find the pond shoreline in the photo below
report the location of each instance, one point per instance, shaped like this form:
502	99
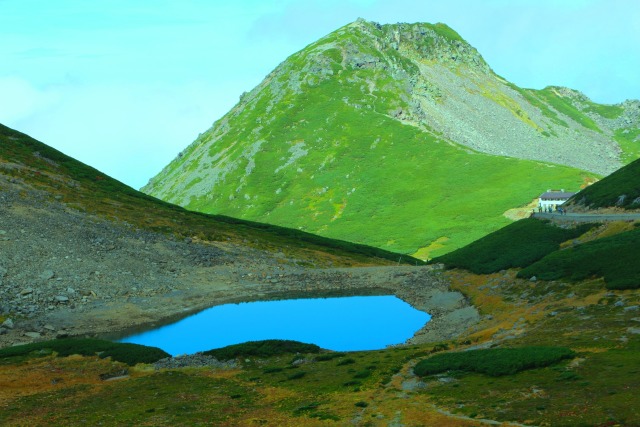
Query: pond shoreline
424	288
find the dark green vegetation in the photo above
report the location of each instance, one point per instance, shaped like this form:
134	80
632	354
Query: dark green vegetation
615	258
88	189
130	354
266	348
611	252
534	246
340	141
517	245
494	362
620	189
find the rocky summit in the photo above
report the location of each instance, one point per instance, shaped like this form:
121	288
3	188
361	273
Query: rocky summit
375	129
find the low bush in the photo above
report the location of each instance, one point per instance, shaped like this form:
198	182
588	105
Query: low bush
266	348
493	362
516	245
328	356
121	352
614	258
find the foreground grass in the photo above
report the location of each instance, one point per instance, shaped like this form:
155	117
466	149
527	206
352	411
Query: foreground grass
596	387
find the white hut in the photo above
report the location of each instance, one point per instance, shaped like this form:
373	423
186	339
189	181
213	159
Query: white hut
554	198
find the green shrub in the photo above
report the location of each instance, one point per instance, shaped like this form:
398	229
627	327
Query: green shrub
297	375
493	362
121	352
347	361
614	258
516	245
328	356
266	348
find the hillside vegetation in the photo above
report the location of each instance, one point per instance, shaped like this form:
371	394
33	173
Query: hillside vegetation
621	189
516	245
29	162
378	129
549	251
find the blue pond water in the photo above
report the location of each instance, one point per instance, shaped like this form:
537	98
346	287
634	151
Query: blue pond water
341	324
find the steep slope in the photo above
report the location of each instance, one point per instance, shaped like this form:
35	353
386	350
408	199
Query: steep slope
398	136
621	189
37	171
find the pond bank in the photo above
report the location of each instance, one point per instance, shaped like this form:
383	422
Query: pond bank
425	288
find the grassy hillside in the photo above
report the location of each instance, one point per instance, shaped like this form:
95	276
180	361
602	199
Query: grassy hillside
515	246
614	258
610	252
620	189
82	187
396	136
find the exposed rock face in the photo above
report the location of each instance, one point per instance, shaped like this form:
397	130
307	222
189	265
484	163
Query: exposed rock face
355	102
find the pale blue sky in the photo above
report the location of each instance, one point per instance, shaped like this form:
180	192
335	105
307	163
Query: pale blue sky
124	85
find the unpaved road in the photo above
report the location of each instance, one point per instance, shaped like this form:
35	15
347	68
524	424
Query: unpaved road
583	217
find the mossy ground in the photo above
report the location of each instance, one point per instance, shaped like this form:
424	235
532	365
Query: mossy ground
597	387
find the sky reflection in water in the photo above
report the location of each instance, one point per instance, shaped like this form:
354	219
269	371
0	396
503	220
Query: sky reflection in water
341	324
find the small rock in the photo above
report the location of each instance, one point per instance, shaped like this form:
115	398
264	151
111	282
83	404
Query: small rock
533	279
631	308
61	299
619	304
8	324
71	291
32	334
49	327
26	291
47	275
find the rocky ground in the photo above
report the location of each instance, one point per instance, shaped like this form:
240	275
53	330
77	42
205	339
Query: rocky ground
65	273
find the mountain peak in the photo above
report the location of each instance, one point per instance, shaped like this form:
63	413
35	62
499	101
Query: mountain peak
377	129
422	42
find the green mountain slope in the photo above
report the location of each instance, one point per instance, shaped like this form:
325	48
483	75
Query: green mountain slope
397	136
27	164
551	252
620	189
